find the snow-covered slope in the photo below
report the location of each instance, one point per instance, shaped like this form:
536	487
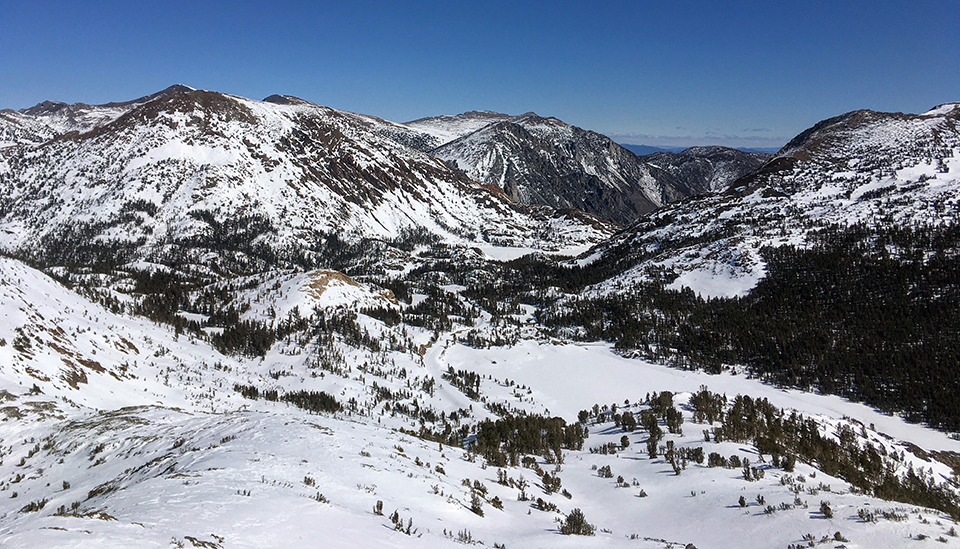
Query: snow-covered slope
447	128
158	449
81	355
195	172
50	118
17	128
538	160
863	167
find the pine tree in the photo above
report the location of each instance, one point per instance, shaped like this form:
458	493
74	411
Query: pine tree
476	505
576	524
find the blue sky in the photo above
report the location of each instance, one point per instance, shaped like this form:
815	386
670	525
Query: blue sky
658	73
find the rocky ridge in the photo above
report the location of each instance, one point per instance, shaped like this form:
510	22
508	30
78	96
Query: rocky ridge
537	160
191	173
862	167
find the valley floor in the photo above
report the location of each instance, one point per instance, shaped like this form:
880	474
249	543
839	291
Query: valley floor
277	476
156	448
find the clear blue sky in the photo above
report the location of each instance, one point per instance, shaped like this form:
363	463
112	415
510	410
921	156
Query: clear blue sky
670	72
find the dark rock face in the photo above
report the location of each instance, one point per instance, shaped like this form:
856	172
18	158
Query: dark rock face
538	160
708	168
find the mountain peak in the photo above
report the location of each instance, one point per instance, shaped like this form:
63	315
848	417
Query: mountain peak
880	136
53	107
538	160
944	109
481	114
285	100
53	118
170	90
46	107
477	117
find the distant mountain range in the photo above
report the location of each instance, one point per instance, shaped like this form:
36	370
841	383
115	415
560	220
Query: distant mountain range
643	150
527	159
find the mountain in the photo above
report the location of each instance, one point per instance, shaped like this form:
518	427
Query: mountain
447	128
643	150
761	150
707	168
192	173
62	118
18	128
860	167
538	160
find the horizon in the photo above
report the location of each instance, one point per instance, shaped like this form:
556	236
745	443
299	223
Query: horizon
687	74
626	144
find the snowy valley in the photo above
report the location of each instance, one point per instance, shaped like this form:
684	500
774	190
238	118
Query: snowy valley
235	323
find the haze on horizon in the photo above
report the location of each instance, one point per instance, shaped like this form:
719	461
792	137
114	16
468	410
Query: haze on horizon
683	74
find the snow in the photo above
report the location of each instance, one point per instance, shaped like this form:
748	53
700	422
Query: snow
178	150
503	253
141	428
555	368
245	164
277	297
941	110
223	470
449	128
711	284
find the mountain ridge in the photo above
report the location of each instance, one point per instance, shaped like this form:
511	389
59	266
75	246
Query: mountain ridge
543	160
202	157
862	166
569	169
